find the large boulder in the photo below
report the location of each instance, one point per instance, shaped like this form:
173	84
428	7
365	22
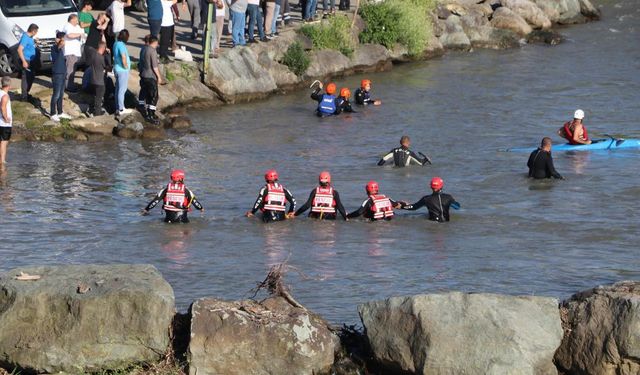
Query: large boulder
251	338
458	333
84	318
98	125
568	11
602	328
530	12
326	63
482	35
453	36
370	57
505	18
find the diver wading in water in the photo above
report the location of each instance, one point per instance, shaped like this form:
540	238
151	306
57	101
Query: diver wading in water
272	200
437	204
176	198
376	206
324	200
403	157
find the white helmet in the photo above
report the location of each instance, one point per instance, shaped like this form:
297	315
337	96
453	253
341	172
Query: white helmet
578	114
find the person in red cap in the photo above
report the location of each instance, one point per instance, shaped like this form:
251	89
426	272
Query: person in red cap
177	200
363	94
327	101
437	203
272	200
324	201
376	206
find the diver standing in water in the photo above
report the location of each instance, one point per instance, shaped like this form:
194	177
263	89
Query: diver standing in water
324	200
272	200
376	206
177	200
437	204
327	101
403	157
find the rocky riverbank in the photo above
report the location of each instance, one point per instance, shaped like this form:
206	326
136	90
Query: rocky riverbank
257	71
79	319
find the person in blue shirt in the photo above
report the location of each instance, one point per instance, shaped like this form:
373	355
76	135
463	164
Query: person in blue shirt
58	78
27	54
121	66
154	16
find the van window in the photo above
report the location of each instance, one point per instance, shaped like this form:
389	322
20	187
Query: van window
28	8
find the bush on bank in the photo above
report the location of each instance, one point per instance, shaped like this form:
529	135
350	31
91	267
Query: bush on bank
334	34
407	22
296	59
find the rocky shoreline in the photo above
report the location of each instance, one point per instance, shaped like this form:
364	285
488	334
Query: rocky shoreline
122	318
256	72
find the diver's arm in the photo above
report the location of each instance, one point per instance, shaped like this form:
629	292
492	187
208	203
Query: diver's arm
361	210
291	199
386	158
307	204
192	200
317	95
259	201
339	205
159	197
419	204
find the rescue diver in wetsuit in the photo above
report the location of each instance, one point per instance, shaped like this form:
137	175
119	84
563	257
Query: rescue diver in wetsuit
324	200
272	200
342	103
541	163
403	157
376	206
327	102
177	200
363	94
437	204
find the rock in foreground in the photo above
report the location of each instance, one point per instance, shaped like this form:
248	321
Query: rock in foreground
84	318
602	331
458	333
250	338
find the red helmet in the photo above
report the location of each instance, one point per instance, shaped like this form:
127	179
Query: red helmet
372	187
345	92
271	175
437	183
365	82
177	175
325	177
331	88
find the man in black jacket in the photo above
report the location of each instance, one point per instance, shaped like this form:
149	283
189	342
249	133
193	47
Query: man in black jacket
541	163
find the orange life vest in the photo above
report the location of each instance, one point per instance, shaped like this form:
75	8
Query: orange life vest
568	133
323	202
275	199
176	197
381	207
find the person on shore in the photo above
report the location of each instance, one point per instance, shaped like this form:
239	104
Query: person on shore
574	131
438	203
328	8
220	9
155	14
342	103
73	34
85	17
254	12
269	16
376	206
177	200
142	105
6	118
272	200
237	10
166	29
116	12
326	101
98	67
324	200
194	10
541	163
344	5
58	78
403	157
309	12
96	33
276	15
27	54
363	94
121	66
150	78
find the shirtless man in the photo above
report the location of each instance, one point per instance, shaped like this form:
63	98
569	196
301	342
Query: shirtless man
574	131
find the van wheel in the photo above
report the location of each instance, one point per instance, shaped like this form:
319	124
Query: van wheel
7	67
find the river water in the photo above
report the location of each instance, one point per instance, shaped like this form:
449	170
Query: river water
79	202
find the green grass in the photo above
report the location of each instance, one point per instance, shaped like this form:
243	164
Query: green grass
296	59
334	34
170	76
407	22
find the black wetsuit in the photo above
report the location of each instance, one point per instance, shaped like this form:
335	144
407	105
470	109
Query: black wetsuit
343	105
541	165
438	205
363	97
179	216
403	157
317	96
324	216
270	215
366	211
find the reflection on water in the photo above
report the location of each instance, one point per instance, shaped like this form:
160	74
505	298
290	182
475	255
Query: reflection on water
80	202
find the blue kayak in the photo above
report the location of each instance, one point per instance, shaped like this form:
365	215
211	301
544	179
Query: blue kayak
597	144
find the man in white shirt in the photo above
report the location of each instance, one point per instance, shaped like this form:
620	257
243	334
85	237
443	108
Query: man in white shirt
73	34
116	12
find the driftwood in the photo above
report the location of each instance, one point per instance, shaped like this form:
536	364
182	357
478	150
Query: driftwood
275	286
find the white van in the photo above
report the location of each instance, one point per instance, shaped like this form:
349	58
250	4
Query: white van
15	18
